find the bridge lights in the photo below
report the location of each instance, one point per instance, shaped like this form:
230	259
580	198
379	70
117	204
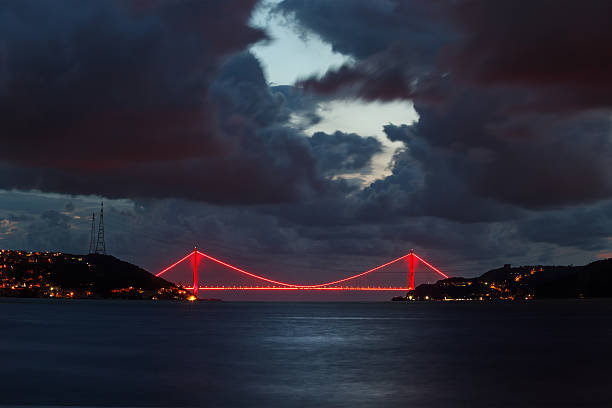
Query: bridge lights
333	285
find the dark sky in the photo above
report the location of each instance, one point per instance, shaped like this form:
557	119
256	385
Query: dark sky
162	109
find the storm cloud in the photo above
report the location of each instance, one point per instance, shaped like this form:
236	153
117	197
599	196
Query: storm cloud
505	113
154	99
162	103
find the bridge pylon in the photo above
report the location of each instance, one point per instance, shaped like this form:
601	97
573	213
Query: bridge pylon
196	283
411	270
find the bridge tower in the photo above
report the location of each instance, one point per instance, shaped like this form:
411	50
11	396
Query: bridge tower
411	270
196	284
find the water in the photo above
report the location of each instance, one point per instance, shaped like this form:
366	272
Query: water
130	353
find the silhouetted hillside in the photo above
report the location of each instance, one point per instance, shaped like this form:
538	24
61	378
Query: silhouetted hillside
105	272
55	274
592	280
525	282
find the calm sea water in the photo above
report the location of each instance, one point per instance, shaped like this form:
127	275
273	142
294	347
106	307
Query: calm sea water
131	353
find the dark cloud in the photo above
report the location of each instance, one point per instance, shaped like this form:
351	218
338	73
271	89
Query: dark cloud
19	217
477	42
504	106
388	24
53	230
402	133
300	107
428	180
340	153
557	47
94	74
585	227
394	44
560	161
132	99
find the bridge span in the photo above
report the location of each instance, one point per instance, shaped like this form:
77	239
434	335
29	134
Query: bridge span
196	257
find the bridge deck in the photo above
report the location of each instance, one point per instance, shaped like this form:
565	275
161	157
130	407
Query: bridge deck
300	288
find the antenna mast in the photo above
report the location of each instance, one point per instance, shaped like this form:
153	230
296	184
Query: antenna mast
92	234
100	244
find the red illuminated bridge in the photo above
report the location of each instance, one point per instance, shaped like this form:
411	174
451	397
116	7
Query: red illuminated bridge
244	280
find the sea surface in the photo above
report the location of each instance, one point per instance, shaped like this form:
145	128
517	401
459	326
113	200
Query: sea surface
233	354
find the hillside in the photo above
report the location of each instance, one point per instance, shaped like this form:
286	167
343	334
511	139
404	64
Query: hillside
55	274
525	282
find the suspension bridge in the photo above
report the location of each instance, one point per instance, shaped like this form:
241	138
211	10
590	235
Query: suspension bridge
195	258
